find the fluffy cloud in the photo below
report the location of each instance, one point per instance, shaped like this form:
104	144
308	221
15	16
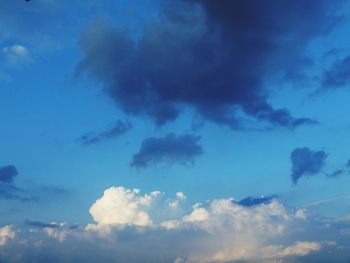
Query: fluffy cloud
306	162
120	206
135	227
118	129
168	149
6	233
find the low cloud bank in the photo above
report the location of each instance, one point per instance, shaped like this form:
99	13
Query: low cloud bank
134	227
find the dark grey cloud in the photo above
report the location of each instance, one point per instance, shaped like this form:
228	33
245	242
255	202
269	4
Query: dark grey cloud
306	162
8	173
253	201
168	149
213	56
118	129
338	75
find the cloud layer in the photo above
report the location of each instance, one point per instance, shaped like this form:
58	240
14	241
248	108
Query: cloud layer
135	227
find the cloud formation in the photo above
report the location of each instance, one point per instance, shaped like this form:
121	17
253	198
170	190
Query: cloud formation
120	206
215	57
6	233
118	129
9	190
338	76
15	55
306	162
8	173
252	201
130	226
169	149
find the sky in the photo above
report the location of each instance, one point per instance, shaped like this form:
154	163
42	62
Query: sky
189	131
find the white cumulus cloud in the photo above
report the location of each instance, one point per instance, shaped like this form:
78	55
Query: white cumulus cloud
134	227
6	233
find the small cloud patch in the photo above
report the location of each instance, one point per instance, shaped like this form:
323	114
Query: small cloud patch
168	149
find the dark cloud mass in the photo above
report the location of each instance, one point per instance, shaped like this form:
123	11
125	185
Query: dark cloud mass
214	56
306	162
168	149
8	173
338	75
118	129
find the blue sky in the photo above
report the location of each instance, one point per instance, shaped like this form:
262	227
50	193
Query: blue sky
217	100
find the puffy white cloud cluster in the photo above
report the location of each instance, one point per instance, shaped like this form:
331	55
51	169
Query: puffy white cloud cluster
135	227
124	206
6	233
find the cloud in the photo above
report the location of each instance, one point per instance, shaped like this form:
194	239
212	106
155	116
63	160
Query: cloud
120	206
12	192
338	75
214	57
306	162
298	249
221	230
9	190
8	173
252	201
118	129
327	201
41	224
15	55
336	173
181	149
6	233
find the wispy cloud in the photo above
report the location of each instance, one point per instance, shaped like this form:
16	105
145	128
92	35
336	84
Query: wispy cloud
119	128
